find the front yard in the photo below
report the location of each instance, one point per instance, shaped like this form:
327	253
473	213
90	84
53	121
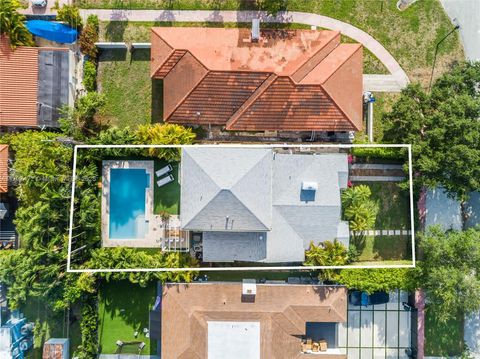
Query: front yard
123	310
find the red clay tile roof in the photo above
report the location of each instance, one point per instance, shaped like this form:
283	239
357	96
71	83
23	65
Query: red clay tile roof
298	80
281	310
18	85
3	168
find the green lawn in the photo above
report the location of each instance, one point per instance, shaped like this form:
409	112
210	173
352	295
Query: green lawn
123	309
49	324
443	339
410	35
380	248
167	197
125	81
394	205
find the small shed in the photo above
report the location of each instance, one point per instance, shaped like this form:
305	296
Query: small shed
56	348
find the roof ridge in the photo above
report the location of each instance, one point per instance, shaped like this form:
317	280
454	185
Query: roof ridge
334	103
359	46
253	97
166	61
189	92
271	183
338	34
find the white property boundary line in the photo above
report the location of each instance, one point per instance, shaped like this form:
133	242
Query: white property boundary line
264	268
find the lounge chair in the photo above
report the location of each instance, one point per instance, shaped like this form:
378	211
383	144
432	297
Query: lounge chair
165	180
164	170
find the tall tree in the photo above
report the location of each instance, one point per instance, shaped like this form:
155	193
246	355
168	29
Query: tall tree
443	128
450	271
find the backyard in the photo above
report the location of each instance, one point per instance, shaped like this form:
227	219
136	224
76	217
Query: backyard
443	339
123	310
167	197
49	324
385	248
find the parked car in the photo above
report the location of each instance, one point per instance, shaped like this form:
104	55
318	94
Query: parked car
359	298
39	3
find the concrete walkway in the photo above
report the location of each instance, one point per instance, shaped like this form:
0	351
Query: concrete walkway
467	13
397	79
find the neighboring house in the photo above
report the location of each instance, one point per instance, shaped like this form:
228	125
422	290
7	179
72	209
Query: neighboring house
262	204
250	321
34	84
287	80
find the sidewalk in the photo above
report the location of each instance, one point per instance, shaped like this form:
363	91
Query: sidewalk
397	79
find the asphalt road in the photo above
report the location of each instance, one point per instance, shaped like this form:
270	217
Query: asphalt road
467	13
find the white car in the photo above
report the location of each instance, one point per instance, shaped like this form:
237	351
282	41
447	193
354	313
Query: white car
39	3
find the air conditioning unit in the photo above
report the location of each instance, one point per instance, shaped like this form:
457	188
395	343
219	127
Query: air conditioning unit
249	287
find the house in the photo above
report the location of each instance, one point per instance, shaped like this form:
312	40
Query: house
287	80
34	84
250	321
262	204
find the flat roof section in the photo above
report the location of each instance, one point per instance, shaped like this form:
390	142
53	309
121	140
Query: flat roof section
233	340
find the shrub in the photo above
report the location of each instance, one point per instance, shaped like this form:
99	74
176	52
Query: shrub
327	253
89	76
381	279
387	153
12	24
358	208
92	20
166	134
87	40
71	15
88	328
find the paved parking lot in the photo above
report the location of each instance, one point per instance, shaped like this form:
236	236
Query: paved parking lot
377	332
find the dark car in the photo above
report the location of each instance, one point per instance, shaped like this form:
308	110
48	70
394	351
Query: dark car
360	298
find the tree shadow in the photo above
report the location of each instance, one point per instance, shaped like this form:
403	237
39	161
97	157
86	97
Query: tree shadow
111	55
157	101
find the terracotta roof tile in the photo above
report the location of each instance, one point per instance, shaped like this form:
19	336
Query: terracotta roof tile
241	89
281	310
3	168
289	107
217	97
18	85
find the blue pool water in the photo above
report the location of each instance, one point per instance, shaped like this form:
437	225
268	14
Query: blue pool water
127	203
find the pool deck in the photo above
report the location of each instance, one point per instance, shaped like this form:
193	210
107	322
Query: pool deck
167	236
149	241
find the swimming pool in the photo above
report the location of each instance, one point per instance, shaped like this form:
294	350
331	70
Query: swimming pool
127	203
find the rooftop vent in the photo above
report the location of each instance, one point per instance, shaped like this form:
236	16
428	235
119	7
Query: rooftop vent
309	186
255	30
249	290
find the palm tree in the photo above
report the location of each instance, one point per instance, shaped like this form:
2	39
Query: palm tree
358	208
11	24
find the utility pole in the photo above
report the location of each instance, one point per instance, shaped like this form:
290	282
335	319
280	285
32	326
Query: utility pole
457	26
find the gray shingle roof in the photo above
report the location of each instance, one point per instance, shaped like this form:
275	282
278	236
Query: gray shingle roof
226	189
229	247
260	190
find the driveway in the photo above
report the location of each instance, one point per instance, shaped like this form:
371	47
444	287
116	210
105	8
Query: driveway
377	332
467	13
